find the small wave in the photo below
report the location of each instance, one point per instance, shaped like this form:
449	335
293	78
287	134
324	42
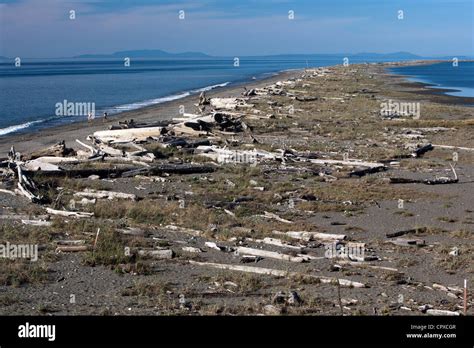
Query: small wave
145	103
142	104
16	128
208	88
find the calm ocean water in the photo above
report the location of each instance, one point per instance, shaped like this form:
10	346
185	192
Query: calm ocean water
443	75
29	94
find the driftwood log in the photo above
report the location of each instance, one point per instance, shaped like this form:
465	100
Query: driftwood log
269	254
278	273
69	213
28	187
422	150
303	235
435	181
127	135
171	169
57	150
89	193
365	171
72	248
401	233
126	171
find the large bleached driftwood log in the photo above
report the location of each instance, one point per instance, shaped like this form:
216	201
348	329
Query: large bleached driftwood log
46	163
269	254
111	154
441	312
37	164
69	213
92	150
224	155
127	124
89	193
449	147
367	265
108	150
349	163
55	160
278	242
278	273
312	235
229	103
57	150
187	130
128	135
362	167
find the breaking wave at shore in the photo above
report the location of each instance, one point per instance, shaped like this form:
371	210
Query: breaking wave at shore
18	127
113	110
145	103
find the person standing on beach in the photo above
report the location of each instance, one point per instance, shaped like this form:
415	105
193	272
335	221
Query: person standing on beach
90	116
105	116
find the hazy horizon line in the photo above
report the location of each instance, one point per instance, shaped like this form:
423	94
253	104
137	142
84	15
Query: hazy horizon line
108	55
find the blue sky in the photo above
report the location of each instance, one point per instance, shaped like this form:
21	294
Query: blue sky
42	28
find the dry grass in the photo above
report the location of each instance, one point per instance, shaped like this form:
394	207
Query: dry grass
19	272
110	250
148	289
145	211
246	283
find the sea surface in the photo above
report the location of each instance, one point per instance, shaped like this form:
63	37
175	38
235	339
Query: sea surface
29	94
459	79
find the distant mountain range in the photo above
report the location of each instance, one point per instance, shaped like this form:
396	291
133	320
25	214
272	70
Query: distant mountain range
146	54
395	55
164	54
160	54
